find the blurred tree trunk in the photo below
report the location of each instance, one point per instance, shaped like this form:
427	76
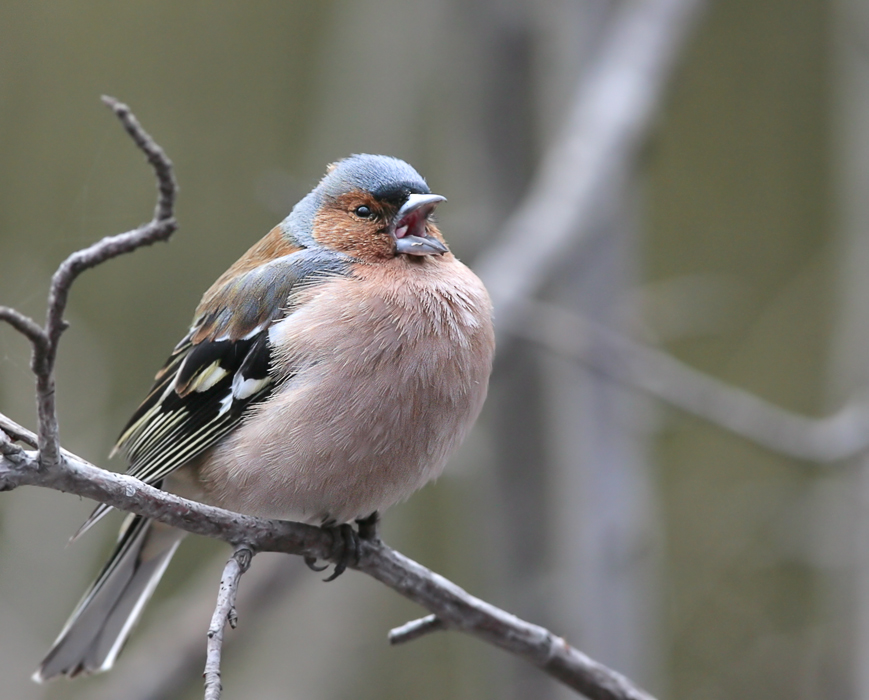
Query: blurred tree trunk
574	483
602	511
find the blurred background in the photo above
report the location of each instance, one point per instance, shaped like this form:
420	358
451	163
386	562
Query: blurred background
715	268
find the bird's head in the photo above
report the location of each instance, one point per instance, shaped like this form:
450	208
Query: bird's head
372	208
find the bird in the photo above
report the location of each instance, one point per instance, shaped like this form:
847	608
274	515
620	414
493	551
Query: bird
327	375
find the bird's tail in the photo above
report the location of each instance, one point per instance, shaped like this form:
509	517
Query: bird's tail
101	623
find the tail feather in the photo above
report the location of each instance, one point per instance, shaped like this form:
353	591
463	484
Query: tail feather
101	623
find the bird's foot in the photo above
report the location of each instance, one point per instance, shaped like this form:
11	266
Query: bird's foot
345	547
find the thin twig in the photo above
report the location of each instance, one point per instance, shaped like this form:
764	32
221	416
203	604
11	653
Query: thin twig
23	324
159	228
166	185
174	643
458	609
463	612
415	629
17	432
612	112
224	612
840	436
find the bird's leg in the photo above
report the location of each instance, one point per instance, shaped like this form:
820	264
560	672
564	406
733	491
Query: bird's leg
346	543
368	527
311	562
346	548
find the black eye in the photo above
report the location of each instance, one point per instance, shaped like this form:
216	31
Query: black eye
362	212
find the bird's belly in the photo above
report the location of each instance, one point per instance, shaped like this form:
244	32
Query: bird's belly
338	446
385	373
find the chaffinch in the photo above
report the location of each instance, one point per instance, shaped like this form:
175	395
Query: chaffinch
328	374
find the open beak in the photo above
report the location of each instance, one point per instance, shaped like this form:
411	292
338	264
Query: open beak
409	232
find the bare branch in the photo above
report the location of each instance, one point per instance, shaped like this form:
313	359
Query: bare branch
415	629
159	228
612	112
23	324
844	434
463	612
455	607
75	475
174	643
224	612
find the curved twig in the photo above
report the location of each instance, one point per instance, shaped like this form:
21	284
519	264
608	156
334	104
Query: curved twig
159	228
224	612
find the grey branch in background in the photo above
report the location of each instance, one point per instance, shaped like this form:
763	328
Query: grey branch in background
586	165
842	435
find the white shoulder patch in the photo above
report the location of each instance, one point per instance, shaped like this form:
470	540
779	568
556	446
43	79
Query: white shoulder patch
245	388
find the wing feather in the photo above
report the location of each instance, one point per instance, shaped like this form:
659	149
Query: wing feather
221	368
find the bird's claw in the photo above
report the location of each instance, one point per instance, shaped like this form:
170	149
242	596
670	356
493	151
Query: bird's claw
346	544
311	563
345	548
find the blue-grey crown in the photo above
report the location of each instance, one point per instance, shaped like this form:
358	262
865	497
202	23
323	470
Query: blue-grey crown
385	177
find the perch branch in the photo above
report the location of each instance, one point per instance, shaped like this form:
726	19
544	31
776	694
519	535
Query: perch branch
455	607
224	612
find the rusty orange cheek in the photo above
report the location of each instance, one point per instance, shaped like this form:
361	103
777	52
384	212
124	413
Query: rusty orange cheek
338	229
